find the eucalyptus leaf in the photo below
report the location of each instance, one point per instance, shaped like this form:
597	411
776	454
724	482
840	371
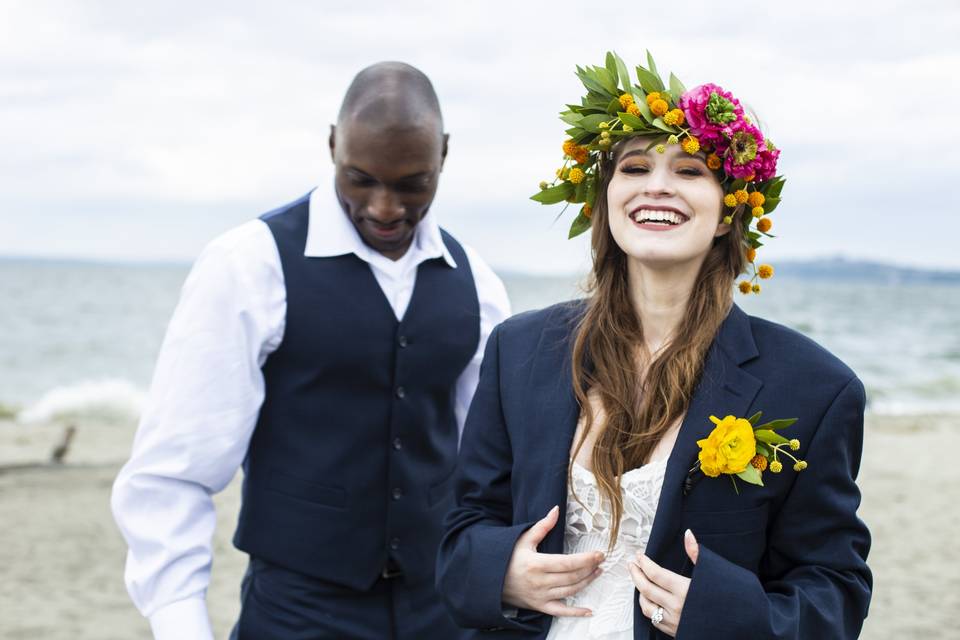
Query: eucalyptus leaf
770	437
770	204
607	80
622	72
652	65
580	192
592	122
590	81
752	475
632	120
660	124
774	425
776	187
570	117
555	194
764	450
649	81
755	417
676	87
580	224
614	107
611	64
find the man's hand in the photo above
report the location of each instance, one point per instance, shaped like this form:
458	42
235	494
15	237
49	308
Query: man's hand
541	581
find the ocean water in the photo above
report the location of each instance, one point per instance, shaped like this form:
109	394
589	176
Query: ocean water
79	340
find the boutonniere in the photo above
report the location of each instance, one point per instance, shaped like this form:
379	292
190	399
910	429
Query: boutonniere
741	448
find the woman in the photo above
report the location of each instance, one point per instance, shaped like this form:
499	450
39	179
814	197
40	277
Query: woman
594	435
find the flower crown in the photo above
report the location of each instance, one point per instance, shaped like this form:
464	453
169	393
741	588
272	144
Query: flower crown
706	118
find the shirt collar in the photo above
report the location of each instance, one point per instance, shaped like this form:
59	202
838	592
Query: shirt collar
330	233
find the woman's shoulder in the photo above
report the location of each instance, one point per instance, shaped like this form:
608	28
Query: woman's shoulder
563	316
790	350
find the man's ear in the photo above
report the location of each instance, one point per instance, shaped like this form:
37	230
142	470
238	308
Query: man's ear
333	140
443	152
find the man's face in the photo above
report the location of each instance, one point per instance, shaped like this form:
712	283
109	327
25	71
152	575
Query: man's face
386	180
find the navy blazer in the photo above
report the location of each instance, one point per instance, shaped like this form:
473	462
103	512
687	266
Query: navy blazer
786	560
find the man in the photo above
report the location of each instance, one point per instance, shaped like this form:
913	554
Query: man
332	347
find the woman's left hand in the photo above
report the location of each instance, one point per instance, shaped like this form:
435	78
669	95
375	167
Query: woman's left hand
662	590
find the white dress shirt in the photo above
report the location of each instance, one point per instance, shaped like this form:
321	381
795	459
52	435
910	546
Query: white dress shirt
208	388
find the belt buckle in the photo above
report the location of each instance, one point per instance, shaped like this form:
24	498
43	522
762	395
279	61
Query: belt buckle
389	573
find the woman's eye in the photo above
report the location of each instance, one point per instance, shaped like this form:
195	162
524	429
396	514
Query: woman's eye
690	171
634	169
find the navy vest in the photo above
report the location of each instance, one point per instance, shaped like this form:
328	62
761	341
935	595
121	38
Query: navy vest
352	458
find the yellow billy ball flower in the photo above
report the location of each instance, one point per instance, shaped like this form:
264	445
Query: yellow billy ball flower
674	117
729	447
634	110
690	144
625	100
604	125
672	139
730	200
741	196
576	176
569	147
765	271
759	463
756	199
744	287
727	219
587	211
661	148
659	107
757	212
800	465
714	162
651	97
794	444
776	466
764	225
751	254
756	288
543	185
627	128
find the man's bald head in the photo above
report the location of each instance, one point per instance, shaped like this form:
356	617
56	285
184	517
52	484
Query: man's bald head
390	96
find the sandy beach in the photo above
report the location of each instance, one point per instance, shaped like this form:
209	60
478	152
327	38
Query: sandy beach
63	556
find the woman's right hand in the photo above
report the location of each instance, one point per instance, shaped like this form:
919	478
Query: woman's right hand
541	581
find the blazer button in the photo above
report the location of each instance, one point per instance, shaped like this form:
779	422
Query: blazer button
402	341
397	444
395	543
397	493
401	393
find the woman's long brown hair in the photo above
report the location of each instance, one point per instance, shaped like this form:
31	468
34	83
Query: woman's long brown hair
640	406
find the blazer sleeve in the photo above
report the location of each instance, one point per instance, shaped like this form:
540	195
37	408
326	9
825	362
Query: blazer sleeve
479	532
816	581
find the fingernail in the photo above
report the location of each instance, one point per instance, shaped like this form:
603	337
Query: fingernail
689	535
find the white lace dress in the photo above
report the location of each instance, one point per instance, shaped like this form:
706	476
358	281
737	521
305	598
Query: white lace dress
610	596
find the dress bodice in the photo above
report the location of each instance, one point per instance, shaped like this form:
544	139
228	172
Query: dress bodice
587	528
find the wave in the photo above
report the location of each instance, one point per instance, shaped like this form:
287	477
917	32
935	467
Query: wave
105	400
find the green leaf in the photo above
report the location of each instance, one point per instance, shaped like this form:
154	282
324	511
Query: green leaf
652	65
764	450
632	120
752	475
660	124
614	107
571	117
773	425
622	72
776	187
644	109
649	81
607	80
755	417
591	195
580	224
590	80
611	64
574	132
676	88
770	437
580	192
555	194
738	184
592	123
770	204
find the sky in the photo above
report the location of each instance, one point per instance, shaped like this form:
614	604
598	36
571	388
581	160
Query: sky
140	131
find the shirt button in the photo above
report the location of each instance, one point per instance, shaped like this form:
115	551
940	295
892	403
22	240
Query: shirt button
397	493
401	393
395	543
397	444
402	341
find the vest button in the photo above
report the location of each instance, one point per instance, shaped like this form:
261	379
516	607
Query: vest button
395	543
401	393
402	341
397	493
397	444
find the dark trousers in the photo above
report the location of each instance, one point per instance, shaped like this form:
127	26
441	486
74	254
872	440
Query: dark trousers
279	604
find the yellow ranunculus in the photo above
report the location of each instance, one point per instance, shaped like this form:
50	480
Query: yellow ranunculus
729	447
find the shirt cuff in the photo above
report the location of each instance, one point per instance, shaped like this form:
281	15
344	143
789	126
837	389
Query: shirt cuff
182	619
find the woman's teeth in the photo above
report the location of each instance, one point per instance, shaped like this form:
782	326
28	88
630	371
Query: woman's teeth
642	216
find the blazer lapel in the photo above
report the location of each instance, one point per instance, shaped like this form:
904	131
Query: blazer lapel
724	389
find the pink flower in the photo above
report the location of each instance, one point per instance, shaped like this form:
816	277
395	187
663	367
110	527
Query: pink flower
709	110
744	156
768	163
